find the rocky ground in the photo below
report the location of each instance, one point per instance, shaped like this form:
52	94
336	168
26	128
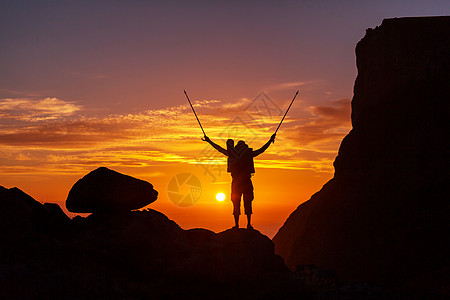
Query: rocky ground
143	254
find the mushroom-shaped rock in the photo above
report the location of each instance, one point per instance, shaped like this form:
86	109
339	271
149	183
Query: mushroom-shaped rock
105	190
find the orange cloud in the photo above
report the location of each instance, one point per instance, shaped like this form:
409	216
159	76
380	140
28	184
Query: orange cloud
54	134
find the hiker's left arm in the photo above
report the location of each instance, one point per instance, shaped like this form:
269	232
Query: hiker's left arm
264	148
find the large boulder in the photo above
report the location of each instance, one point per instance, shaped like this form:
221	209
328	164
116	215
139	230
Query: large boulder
104	190
384	217
243	252
233	264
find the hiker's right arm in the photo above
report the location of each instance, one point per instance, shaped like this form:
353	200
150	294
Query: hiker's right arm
264	148
217	147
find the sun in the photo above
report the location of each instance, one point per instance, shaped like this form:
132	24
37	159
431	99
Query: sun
220	196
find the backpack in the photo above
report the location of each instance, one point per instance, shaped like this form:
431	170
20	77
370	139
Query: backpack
240	160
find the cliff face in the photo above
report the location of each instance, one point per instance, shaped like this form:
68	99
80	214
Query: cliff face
384	215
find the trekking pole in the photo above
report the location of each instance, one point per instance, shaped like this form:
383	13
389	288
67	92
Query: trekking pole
195	113
286	112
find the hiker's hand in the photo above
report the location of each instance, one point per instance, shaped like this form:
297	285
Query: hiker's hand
272	138
206	139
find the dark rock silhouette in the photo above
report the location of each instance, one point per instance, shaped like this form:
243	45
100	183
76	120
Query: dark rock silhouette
384	217
105	190
57	212
23	217
130	254
232	255
143	254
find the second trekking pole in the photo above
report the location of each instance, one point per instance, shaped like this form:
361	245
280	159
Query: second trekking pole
286	112
195	113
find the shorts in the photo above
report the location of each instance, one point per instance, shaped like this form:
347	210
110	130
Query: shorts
242	187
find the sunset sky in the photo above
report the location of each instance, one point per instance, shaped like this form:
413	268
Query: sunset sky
85	84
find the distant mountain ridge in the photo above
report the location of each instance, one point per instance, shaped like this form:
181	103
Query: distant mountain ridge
384	217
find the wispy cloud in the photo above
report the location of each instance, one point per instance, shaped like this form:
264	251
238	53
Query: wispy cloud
36	110
291	85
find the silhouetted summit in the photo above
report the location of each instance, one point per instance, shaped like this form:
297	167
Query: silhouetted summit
105	190
232	255
384	217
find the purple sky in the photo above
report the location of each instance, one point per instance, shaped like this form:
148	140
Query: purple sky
120	56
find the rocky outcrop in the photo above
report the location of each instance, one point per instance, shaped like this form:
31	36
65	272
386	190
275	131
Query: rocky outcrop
130	254
22	217
231	255
384	215
104	190
145	255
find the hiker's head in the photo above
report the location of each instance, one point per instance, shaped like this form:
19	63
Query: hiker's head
241	145
230	143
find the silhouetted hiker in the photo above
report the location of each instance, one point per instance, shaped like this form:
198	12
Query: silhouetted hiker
240	165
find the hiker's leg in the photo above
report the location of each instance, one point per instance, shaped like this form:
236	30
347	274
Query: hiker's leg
236	199
248	199
236	211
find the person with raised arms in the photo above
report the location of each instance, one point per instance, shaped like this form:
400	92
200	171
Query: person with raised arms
240	165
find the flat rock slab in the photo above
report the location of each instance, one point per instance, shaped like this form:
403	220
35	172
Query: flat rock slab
104	190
